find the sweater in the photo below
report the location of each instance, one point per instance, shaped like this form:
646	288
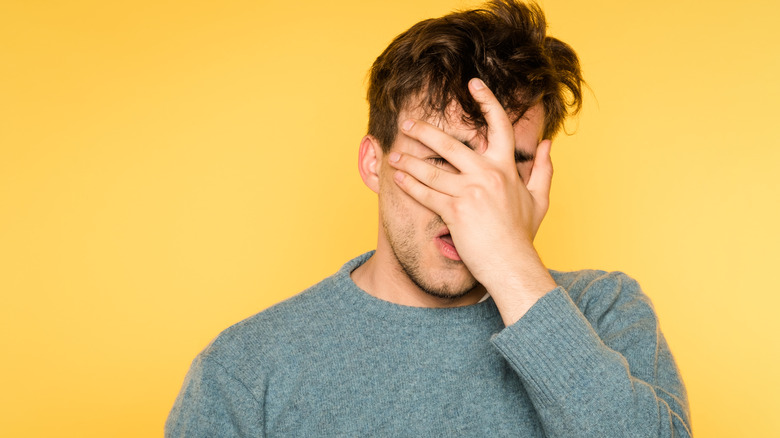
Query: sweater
586	360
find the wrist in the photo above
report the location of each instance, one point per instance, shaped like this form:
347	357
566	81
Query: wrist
519	287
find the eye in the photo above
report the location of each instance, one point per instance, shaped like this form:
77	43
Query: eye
439	161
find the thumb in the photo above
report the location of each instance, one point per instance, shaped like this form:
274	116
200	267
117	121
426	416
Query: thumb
541	176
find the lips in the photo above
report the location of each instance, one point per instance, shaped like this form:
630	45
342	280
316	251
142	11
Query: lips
446	246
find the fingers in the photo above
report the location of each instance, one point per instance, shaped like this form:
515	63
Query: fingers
540	181
429	198
455	152
434	177
500	134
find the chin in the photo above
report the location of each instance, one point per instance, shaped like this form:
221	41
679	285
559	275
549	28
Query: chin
447	294
456	285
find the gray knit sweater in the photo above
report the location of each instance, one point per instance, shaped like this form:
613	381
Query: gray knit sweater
587	360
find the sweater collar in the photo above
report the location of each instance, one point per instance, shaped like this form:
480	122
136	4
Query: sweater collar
369	304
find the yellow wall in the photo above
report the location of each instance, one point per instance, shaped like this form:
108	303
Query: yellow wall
168	168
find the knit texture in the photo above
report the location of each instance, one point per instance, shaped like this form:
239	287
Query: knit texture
587	360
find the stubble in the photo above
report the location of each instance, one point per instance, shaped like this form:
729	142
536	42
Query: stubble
407	251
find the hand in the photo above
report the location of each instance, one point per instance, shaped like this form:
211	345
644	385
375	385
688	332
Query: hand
492	216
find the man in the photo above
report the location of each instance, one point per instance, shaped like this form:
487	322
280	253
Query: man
453	326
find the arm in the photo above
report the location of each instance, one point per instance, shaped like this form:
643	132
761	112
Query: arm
213	403
605	372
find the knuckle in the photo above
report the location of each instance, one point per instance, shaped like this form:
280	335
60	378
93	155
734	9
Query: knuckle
433	175
495	179
450	146
457	209
476	192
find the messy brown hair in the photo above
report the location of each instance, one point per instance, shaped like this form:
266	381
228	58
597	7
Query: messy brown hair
504	44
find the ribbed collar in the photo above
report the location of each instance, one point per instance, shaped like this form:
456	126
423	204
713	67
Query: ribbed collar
366	303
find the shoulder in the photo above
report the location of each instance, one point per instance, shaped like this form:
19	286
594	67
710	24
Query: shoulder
583	280
258	344
596	284
606	298
287	330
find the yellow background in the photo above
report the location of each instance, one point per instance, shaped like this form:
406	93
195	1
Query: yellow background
168	168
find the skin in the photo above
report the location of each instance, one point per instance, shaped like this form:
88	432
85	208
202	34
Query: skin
491	205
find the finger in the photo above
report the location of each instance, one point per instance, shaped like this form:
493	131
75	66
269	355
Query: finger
455	152
429	198
434	177
500	133
540	181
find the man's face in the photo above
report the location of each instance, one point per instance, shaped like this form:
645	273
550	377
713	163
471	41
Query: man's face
412	231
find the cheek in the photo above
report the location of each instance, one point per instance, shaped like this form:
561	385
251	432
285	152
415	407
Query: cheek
394	202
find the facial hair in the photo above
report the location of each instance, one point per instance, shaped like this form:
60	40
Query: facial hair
402	243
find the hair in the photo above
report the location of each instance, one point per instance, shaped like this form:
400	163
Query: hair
504	44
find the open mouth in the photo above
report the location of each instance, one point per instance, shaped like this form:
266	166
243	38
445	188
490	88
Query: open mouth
446	245
447	238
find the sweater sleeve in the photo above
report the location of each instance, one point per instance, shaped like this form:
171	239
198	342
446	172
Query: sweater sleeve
213	403
605	370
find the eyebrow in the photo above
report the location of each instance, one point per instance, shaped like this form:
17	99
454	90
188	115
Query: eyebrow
520	156
466	142
523	156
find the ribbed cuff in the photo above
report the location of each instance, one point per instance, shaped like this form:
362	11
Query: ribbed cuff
554	349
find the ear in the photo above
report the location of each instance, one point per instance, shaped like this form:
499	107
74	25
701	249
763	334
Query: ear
369	160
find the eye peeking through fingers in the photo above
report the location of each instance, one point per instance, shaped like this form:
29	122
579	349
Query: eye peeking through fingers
441	162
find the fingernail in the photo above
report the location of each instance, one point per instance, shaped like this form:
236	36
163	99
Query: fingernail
394	157
477	84
398	176
407	125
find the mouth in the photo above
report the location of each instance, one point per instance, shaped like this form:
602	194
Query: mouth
446	245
